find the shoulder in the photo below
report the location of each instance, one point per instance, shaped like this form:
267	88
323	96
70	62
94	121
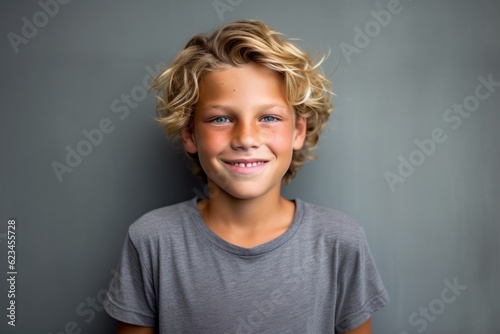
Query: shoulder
340	236
334	227
160	222
330	220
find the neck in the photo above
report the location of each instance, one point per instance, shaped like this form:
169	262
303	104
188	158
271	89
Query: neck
244	214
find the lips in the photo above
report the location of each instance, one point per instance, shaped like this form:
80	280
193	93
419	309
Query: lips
246	164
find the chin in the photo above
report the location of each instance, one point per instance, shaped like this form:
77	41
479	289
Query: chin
247	191
250	194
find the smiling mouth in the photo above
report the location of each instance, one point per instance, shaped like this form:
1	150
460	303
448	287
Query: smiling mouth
246	165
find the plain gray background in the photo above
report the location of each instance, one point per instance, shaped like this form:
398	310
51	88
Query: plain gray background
440	226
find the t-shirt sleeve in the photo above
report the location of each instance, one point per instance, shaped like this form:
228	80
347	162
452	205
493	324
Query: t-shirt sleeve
131	297
360	288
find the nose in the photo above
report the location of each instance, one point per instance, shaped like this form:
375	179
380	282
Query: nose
246	135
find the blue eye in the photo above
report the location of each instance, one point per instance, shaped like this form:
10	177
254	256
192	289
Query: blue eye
220	119
269	119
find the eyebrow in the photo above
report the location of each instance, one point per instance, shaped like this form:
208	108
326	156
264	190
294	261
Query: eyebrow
260	107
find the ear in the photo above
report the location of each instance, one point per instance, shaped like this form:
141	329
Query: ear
299	133
189	140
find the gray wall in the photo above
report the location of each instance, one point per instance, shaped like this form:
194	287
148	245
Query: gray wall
432	223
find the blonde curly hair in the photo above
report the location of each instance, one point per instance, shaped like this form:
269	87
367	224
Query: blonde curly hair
236	44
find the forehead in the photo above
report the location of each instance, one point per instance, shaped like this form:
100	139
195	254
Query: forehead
251	81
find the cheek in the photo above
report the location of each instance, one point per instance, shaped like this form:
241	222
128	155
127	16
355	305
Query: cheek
280	140
210	141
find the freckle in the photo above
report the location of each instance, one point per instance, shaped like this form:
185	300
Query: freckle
234	90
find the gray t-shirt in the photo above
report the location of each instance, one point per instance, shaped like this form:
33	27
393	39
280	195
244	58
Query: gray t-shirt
177	275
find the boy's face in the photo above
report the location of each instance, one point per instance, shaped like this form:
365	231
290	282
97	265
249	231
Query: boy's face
244	130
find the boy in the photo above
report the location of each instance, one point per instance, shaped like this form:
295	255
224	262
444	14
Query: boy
248	107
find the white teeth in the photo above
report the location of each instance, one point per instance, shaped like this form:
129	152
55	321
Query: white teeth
248	165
